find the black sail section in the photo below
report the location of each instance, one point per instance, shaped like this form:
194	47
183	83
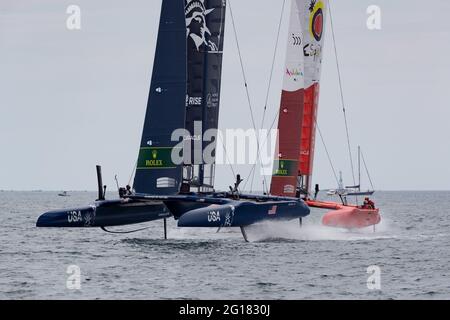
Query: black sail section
205	22
157	172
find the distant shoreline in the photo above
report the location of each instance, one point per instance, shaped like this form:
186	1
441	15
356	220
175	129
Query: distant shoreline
9	190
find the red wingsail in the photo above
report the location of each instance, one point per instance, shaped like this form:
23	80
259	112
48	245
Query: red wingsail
312	20
308	121
284	179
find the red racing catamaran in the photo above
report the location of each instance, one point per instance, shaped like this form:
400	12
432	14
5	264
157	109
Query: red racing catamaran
298	120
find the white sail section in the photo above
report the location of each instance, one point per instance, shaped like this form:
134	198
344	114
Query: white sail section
295	67
313	21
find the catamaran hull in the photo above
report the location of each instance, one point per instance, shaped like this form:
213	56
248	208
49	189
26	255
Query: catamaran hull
352	218
105	214
223	210
346	216
242	214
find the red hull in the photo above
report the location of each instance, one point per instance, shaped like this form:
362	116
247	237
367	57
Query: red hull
349	217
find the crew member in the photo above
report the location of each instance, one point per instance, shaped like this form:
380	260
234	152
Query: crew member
124	192
366	203
316	191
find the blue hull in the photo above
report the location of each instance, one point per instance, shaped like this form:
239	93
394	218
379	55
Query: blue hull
105	214
238	214
221	210
193	210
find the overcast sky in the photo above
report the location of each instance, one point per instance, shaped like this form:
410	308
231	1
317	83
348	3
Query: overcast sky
72	99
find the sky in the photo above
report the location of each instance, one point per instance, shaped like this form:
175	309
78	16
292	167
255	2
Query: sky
71	99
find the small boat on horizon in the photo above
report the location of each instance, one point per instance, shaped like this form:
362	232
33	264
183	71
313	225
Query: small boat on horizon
64	194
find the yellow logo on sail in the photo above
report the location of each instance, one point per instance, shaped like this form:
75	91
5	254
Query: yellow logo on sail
316	19
281	171
154	162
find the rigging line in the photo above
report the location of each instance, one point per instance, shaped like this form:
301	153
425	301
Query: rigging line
268	134
252	174
367	171
253	179
267	138
342	94
328	154
245	83
230	165
275	51
277	114
132	173
273	63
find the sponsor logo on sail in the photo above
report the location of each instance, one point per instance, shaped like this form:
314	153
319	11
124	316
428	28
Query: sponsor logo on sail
316	9
285	168
197	29
288	189
212	100
294	72
297	39
154	161
165	182
193	138
209	100
281	170
155	158
194	101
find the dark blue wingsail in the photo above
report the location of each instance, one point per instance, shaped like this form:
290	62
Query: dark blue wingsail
156	172
205	23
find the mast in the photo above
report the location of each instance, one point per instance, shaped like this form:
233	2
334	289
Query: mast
358	186
313	21
359	168
284	179
156	172
205	26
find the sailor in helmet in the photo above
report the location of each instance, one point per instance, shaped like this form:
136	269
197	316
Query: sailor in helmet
368	204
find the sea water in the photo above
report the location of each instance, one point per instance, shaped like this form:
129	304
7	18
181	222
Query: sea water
407	257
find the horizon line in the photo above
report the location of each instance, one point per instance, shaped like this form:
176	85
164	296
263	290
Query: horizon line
257	191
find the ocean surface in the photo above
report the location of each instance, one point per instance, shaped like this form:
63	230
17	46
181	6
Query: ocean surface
411	248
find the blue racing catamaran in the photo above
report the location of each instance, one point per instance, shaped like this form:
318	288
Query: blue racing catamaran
172	177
